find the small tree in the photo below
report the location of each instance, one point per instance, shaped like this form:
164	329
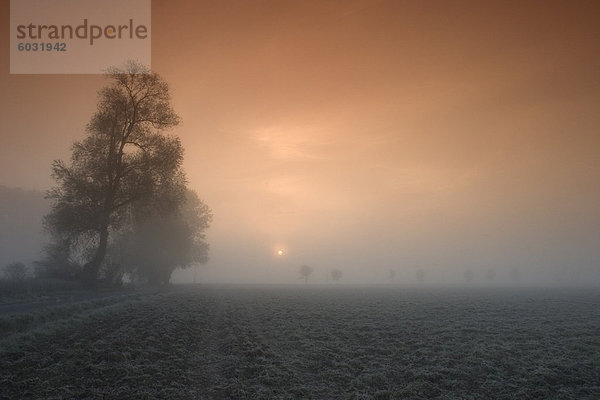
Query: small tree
336	274
305	271
391	274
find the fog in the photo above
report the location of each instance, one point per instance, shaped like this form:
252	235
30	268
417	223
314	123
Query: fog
364	136
21	232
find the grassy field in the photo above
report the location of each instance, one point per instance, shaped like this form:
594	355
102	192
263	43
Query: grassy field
210	342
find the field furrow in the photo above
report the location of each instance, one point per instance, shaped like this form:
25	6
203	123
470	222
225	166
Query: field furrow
261	343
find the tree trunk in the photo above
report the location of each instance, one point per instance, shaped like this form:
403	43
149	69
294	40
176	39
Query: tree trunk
92	267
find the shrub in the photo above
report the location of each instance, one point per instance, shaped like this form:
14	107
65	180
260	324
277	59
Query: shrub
15	272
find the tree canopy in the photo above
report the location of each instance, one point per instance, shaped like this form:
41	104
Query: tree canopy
157	244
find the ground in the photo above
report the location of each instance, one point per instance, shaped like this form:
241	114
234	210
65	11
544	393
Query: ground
243	342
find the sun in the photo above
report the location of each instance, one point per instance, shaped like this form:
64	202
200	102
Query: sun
280	252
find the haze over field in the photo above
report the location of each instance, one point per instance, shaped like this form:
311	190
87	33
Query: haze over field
361	135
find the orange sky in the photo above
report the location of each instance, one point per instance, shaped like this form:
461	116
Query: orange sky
362	134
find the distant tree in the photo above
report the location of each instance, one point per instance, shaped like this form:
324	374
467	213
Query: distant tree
391	274
305	271
336	274
420	274
469	275
158	244
124	159
15	272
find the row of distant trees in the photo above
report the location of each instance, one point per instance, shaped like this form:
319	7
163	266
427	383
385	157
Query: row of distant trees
306	271
469	274
121	205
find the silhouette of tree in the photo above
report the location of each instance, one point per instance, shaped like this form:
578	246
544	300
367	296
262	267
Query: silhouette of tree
305	271
336	274
391	274
124	159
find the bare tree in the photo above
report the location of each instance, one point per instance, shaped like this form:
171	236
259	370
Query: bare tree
336	274
124	158
391	274
305	271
